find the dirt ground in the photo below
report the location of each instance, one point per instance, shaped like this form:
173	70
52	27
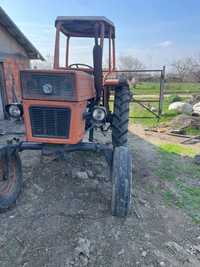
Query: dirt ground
62	218
158	138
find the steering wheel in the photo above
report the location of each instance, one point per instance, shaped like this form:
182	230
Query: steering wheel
77	65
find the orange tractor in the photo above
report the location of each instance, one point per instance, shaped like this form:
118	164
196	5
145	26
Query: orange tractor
61	105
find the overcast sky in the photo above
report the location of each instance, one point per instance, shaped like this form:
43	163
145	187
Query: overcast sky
155	31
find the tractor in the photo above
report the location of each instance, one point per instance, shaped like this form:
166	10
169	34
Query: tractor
59	107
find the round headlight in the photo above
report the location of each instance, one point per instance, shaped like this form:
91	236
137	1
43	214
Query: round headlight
99	114
47	89
14	110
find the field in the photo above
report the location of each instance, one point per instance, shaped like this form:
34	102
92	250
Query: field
140	115
151	88
147	90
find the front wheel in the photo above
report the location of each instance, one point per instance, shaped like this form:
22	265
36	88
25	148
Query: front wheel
120	116
10	179
122	181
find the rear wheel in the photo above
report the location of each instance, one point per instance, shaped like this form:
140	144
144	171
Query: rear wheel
10	179
120	116
122	181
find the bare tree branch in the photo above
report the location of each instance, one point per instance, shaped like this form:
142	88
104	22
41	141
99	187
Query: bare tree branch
130	63
183	67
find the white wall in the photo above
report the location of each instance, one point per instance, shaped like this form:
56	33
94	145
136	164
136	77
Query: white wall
8	44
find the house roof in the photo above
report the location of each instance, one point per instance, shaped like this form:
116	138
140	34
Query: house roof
83	26
21	39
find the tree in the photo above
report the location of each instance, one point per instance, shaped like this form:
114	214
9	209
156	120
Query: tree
130	63
196	68
183	67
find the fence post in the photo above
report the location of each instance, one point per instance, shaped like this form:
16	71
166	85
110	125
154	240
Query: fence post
162	89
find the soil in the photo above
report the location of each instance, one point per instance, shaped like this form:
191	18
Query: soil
162	137
62	218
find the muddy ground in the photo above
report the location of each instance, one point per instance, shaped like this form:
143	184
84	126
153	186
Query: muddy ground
62	218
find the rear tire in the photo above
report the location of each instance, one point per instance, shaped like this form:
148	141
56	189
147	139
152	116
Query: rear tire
120	116
10	180
122	181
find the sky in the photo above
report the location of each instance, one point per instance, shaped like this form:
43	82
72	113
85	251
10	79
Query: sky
155	31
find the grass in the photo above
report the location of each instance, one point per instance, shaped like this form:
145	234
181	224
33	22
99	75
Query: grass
179	175
170	199
171	166
144	117
192	131
178	149
165	169
187	198
150	88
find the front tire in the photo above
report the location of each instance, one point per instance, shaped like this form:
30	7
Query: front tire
10	179
122	181
120	116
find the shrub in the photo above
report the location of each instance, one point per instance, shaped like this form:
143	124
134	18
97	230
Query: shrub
174	98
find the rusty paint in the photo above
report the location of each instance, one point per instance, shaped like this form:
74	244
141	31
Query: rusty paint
77	122
12	66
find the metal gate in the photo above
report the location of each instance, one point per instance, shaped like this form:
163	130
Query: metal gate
145	101
142	102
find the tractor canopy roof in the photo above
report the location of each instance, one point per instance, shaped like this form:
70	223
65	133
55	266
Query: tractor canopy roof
84	26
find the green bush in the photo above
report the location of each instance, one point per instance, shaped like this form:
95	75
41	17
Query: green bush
174	98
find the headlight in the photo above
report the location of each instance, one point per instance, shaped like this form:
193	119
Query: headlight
14	110
47	89
99	114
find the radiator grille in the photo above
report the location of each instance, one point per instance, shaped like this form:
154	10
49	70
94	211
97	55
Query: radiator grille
50	122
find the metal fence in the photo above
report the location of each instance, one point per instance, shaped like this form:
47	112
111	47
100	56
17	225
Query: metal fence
142	102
